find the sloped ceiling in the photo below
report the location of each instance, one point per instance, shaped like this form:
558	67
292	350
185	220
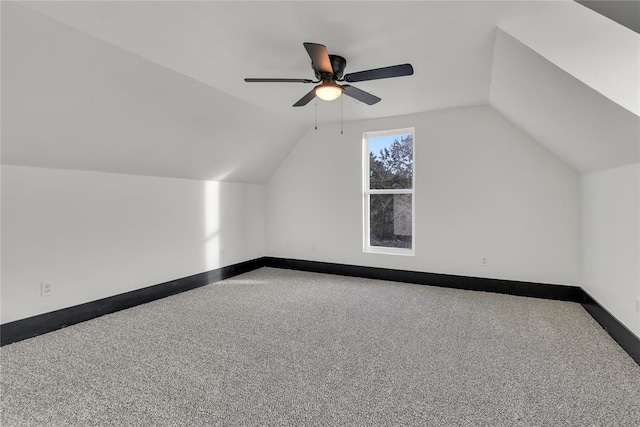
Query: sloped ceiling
576	123
597	51
156	88
449	43
72	101
574	87
625	12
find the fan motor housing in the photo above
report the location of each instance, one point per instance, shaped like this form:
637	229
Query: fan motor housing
338	63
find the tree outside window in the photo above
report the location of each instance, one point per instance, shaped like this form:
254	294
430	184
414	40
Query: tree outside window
389	191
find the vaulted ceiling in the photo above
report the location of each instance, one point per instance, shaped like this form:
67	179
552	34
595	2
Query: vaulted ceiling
156	88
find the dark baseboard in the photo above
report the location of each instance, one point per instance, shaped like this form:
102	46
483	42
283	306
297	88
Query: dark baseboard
623	336
37	325
47	322
511	287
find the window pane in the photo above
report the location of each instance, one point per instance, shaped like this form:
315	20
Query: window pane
390	220
391	162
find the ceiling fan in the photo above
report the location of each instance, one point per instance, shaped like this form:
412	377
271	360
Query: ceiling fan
328	70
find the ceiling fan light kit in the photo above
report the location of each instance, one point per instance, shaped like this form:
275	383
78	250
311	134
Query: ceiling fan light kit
328	69
328	91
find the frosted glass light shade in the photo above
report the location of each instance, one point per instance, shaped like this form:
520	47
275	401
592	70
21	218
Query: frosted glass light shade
329	91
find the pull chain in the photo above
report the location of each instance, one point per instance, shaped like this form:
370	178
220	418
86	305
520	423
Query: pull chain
316	118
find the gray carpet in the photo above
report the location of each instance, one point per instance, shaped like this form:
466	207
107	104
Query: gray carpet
278	347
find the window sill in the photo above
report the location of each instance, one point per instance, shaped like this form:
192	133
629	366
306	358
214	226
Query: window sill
388	251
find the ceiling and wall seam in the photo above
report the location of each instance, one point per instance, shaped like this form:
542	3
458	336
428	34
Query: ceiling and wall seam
422	95
586	129
101	107
594	49
27	4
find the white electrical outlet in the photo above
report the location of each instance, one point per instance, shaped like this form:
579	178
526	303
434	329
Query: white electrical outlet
314	248
46	289
221	253
484	261
638	305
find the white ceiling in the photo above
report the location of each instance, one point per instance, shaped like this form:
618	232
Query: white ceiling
157	88
449	43
599	52
576	123
72	101
625	12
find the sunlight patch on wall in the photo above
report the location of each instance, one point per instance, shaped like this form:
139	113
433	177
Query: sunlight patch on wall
213	250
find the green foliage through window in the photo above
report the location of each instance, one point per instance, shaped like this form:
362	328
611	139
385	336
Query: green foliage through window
390	213
390	220
392	166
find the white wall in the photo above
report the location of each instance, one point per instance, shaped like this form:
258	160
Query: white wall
93	235
611	241
483	188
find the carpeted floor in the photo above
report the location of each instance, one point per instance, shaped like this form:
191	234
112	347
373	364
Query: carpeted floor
280	347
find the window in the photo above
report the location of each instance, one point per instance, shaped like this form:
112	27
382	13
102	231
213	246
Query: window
388	191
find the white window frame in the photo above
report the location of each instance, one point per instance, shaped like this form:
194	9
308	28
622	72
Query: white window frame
368	191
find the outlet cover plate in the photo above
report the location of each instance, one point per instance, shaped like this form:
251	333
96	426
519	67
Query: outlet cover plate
46	289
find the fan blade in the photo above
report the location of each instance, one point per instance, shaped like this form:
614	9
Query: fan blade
319	57
278	80
305	99
360	95
380	73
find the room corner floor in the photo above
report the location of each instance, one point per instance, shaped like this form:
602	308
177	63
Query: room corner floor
281	347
